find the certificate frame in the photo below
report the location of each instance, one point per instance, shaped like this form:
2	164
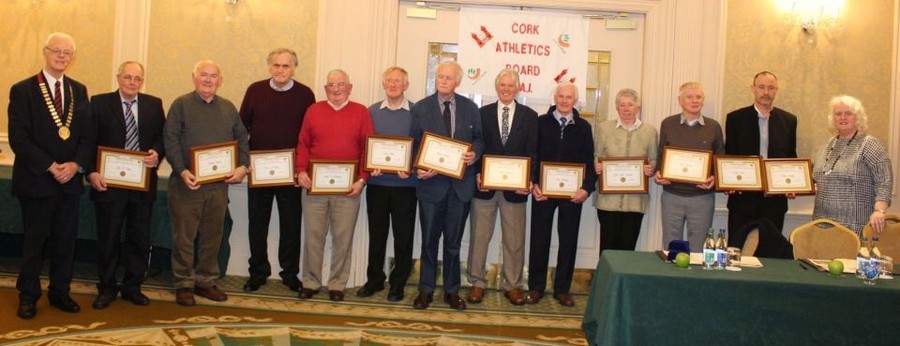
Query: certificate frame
200	153
552	187
400	164
608	182
434	145
125	162
518	168
775	181
674	158
263	162
318	169
724	181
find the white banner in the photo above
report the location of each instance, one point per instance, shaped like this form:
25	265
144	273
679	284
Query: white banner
544	47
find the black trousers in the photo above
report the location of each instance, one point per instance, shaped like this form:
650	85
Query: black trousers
748	207
132	210
290	214
390	207
51	227
568	221
619	230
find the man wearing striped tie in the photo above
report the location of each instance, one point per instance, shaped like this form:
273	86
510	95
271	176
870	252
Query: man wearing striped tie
125	119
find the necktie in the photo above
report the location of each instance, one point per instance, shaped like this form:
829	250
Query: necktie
504	128
131	132
446	117
57	98
562	126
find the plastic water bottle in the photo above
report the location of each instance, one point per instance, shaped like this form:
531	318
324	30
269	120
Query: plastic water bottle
862	256
709	250
721	250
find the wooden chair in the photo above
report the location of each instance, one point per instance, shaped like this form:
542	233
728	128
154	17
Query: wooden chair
824	239
751	243
889	238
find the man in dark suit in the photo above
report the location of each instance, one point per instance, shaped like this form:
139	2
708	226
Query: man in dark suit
125	119
564	137
509	129
764	130
49	126
444	201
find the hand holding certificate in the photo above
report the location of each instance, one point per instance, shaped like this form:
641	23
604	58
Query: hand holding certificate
388	154
123	168
623	175
442	154
214	162
331	177
686	165
271	168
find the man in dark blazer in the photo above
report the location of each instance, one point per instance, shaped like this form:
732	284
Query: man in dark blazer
564	137
444	201
49	126
125	119
510	129
764	130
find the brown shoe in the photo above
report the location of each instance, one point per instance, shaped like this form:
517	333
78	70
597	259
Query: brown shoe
455	301
565	300
335	295
534	297
476	294
185	297
212	293
307	293
423	300
515	296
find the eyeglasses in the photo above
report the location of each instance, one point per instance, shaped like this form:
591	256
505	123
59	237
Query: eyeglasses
340	85
57	51
136	79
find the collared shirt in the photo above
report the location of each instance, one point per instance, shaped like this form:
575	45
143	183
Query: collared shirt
763	133
338	107
559	116
403	105
51	82
134	107
286	87
634	126
512	113
200	97
452	100
684	120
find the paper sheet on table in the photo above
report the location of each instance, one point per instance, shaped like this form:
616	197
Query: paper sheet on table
746	261
822	264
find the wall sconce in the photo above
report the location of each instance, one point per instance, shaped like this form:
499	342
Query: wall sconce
810	15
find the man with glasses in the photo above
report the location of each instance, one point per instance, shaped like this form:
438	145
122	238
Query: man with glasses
273	111
49	127
125	119
334	129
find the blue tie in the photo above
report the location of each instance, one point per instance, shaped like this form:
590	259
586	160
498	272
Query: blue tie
131	132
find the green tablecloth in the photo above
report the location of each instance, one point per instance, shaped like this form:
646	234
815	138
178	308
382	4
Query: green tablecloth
637	299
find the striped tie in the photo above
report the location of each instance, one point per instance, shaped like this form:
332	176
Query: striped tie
57	98
131	133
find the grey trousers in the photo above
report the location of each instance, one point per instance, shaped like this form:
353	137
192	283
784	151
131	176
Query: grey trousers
693	215
512	222
321	213
197	216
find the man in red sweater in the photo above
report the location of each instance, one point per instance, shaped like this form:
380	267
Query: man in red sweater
334	129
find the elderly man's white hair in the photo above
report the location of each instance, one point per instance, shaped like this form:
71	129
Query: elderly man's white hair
61	35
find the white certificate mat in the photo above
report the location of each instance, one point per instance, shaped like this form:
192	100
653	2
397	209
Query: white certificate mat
686	165
332	177
389	154
738	173
505	172
271	168
213	162
623	175
442	154
785	176
561	180
123	168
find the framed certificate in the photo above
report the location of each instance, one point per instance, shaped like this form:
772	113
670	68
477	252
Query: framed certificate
623	175
331	177
123	169
505	172
783	176
442	154
560	179
389	154
214	162
738	173
271	168
686	165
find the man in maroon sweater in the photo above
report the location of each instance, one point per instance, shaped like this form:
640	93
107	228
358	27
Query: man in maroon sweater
334	129
272	111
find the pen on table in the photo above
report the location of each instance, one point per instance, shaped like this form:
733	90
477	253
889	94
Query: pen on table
802	266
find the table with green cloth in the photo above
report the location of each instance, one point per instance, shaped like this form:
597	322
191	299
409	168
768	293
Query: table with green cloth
638	299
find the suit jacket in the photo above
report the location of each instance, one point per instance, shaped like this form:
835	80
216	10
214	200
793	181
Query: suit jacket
109	130
427	116
576	146
522	141
742	138
33	136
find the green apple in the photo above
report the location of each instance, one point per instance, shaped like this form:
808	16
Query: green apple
682	260
835	267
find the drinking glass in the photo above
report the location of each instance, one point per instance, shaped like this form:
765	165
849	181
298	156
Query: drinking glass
887	267
870	271
734	257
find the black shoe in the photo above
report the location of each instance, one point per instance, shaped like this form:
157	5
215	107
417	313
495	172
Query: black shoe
26	310
136	298
368	291
253	284
395	296
336	296
307	293
103	300
455	301
293	284
423	300
64	303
